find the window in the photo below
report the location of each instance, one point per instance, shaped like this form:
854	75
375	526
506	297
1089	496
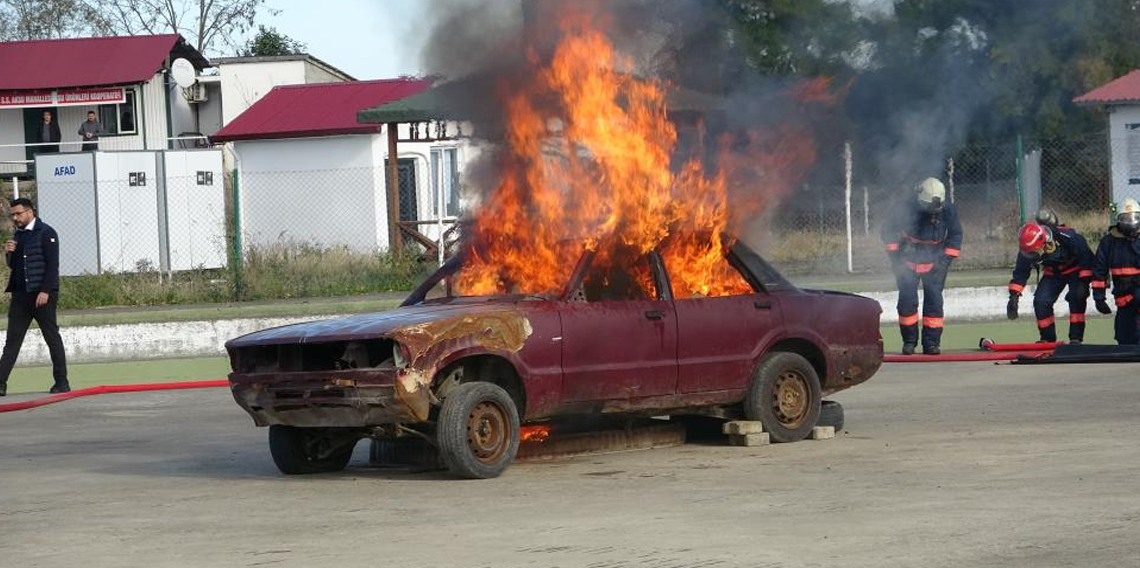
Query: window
119	119
445	179
619	282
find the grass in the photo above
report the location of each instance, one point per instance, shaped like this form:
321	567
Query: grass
964	336
38	379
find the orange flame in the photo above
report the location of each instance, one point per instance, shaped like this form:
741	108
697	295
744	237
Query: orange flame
534	433
588	159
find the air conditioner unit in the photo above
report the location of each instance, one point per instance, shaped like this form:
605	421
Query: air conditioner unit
196	93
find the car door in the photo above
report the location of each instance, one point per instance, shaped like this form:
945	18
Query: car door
719	334
619	335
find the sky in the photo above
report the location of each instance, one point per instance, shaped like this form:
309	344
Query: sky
368	39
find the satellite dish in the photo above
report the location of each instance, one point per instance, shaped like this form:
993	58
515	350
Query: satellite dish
183	72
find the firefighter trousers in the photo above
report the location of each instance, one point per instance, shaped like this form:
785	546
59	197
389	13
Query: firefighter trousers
932	284
1127	309
1048	290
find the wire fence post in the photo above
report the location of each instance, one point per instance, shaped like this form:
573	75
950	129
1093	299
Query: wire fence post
15	187
950	176
847	202
237	253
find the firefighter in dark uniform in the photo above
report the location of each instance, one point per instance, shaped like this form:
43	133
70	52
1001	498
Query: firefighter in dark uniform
1118	256
1065	260
921	242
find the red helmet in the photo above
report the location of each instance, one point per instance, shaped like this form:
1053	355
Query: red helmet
1033	239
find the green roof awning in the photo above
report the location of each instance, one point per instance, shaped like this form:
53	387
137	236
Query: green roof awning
451	101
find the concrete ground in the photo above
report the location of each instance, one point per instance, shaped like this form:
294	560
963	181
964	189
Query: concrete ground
939	465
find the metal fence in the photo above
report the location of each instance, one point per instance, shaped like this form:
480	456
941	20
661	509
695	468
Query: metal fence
995	188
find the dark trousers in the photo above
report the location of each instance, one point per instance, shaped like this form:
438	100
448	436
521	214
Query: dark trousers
1048	290
21	311
90	146
1127	332
932	284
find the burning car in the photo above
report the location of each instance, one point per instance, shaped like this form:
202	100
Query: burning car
616	336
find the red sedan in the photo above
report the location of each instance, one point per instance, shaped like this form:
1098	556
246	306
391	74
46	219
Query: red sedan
464	372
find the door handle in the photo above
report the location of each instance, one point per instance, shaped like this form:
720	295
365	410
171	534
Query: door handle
654	314
762	304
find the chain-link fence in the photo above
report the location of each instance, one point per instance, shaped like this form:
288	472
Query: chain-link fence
995	187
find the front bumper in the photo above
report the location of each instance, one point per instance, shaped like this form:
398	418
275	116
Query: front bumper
357	398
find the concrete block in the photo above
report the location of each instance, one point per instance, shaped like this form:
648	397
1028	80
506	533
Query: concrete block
822	432
740	427
755	439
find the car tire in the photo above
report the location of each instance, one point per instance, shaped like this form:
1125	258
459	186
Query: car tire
299	451
784	396
478	430
830	414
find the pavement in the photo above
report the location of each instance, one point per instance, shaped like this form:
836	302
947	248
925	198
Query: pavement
940	465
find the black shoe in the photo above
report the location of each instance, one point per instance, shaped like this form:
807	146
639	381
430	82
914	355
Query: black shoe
931	350
908	349
60	387
1075	342
3	389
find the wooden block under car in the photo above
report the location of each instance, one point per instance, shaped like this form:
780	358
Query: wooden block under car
754	439
741	427
822	432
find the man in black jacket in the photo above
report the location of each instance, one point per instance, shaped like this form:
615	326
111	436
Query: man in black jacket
33	256
49	134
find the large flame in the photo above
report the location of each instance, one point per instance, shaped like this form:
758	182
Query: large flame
589	160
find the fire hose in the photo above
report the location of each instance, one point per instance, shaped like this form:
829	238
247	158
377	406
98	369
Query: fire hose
109	389
962	357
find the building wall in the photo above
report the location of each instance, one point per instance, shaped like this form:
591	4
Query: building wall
1120	117
245	83
317	74
312	191
210	112
12	132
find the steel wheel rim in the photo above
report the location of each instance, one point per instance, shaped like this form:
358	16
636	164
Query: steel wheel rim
790	399
487	432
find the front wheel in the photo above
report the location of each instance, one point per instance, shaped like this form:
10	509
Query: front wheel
299	451
785	396
478	430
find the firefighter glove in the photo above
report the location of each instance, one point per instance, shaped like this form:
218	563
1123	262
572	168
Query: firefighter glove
1011	307
1102	306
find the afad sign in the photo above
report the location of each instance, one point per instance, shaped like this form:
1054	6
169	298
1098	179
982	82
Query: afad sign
71	97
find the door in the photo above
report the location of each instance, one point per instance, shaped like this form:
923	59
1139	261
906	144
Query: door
619	336
406	174
33	121
719	335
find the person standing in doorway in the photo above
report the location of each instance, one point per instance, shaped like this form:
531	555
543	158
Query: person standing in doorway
90	131
49	134
33	256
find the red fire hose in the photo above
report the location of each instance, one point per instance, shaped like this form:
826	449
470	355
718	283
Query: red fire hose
991	345
959	357
109	389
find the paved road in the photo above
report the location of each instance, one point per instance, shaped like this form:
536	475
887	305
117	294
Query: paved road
940	465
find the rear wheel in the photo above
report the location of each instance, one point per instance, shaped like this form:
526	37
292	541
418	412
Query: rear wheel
785	396
309	450
478	430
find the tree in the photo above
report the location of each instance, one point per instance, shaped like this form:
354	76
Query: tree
269	42
204	23
42	19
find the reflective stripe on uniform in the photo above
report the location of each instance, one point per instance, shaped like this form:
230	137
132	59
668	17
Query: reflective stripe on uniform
1122	301
1098	284
1085	274
1015	287
1046	322
953	252
921	267
1125	271
908	320
1076	318
892	247
931	322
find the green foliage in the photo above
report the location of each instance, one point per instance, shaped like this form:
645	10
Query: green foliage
269	42
287	270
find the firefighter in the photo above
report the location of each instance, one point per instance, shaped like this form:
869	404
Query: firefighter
1065	260
1118	256
921	242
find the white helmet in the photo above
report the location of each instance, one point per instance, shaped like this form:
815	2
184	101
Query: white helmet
931	195
1128	216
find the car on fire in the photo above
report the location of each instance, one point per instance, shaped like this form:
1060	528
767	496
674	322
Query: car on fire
465	372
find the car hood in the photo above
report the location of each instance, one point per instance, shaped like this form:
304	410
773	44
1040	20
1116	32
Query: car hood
373	325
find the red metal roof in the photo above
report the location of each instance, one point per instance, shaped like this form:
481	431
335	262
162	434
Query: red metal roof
324	109
86	62
1124	89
